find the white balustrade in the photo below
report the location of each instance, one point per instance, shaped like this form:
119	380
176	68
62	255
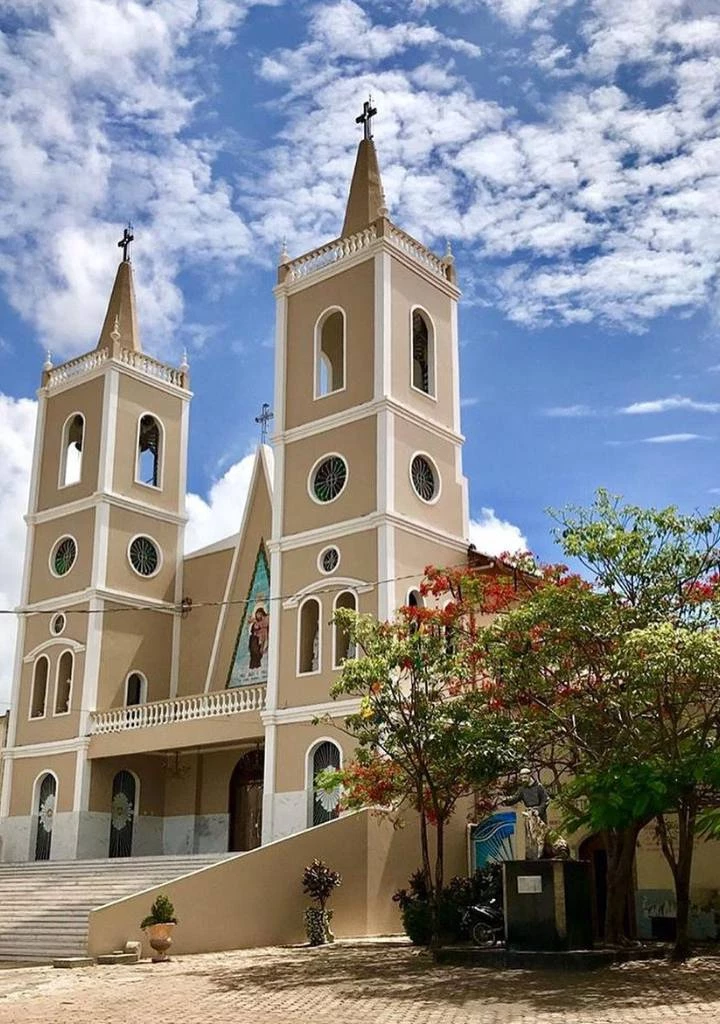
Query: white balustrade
179	709
76	368
411	247
152	367
333	252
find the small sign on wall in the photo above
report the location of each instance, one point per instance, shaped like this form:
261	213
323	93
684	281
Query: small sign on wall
529	883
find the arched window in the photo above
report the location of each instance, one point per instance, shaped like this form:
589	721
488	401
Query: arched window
415	600
149	451
323	804
330	353
135	689
423	354
38	699
343	648
72	450
63	683
44	804
309	637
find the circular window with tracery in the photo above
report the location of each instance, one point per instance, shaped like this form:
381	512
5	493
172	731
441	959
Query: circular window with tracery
329	560
63	556
424	478
329	478
144	556
57	624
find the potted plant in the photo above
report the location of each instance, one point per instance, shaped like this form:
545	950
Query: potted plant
319	881
159	925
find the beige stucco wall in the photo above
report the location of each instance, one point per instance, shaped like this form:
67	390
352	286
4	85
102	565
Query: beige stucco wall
134	640
356	442
135	398
151	776
256	899
413	553
294	740
27	769
229	728
87	399
43	584
353	291
410	290
124	526
446	513
204	580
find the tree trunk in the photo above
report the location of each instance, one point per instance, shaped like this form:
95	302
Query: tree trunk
620	847
438	885
681	867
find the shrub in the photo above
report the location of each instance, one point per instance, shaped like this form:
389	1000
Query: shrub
319	882
161	912
459	894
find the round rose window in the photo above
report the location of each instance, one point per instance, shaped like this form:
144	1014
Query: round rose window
424	478
144	556
64	556
329	478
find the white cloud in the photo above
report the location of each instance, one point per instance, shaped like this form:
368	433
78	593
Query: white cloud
17	430
669	405
494	536
674	438
569	411
220	514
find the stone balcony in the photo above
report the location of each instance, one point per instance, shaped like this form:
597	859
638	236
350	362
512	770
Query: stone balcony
70	372
222	716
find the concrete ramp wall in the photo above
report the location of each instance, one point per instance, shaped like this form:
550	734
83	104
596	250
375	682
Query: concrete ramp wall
256	898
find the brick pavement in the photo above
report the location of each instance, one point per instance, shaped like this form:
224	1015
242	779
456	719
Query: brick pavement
349	983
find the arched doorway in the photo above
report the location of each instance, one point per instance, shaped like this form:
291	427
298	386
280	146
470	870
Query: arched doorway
593	850
122	814
47	792
324	805
245	802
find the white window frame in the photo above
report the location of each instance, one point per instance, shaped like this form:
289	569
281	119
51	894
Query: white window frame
432	354
56	713
161	452
159	550
438	478
311	475
31	716
317	352
63	452
318	670
329	547
310	778
51	557
346	590
143	688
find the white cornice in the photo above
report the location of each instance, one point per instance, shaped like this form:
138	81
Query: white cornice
128	371
54	641
363	523
64	601
359	412
329	583
116	500
307	712
46	749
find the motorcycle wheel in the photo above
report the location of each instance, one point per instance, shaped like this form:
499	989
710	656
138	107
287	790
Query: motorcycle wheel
483	935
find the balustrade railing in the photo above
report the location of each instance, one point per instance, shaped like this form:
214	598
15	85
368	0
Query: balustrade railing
75	368
179	709
152	367
417	251
333	252
144	364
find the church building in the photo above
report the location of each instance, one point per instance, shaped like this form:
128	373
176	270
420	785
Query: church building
164	703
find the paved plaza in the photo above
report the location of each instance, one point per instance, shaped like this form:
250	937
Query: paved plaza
377	983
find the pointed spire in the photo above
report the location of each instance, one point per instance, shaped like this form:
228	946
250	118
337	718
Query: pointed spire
366	201
120	324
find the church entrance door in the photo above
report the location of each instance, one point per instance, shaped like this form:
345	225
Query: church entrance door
45	816
245	803
122	813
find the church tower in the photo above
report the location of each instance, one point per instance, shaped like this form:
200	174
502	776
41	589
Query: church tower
368	469
102	579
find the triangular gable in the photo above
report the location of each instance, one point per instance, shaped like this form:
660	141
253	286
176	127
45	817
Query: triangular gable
250	656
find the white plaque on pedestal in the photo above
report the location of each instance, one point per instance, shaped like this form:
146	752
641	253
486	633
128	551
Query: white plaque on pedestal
529	883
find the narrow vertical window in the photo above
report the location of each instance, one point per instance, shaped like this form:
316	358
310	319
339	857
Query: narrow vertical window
135	689
39	688
63	684
330	354
325	804
147	468
423	356
309	640
72	450
343	647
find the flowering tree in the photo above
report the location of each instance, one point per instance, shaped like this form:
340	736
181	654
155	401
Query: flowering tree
612	676
431	728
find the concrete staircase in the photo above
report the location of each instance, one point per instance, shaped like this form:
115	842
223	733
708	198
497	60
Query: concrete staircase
44	905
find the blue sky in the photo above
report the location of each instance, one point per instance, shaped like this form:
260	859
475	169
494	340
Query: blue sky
570	151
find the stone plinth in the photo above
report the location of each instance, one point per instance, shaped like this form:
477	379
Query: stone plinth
548	904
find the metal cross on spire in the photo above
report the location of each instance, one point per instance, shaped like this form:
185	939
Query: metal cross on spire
365	119
264	420
125	241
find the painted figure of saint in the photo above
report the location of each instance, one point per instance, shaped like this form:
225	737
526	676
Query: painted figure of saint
258	642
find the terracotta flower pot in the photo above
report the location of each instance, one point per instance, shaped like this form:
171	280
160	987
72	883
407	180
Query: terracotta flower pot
160	938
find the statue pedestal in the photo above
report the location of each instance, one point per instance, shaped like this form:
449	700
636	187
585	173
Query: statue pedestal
548	904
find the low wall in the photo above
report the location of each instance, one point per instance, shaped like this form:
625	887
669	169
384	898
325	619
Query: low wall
256	898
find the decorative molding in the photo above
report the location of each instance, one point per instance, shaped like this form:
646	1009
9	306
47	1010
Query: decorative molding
64	601
334	532
74	645
46	749
307	712
341	582
110	498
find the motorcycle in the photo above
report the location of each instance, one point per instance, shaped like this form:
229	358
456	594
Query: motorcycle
485	923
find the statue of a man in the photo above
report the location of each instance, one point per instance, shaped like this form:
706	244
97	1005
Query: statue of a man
532	793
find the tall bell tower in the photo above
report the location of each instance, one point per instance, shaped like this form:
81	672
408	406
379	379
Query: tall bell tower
368	485
102	580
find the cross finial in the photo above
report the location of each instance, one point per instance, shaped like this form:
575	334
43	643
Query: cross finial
365	119
125	241
264	420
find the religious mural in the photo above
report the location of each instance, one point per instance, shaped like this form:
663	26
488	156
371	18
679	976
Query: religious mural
492	840
249	664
